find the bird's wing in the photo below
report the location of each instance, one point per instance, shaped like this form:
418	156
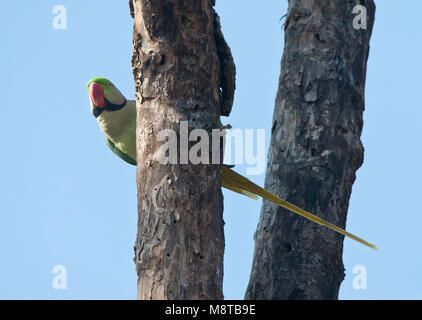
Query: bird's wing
119	153
238	183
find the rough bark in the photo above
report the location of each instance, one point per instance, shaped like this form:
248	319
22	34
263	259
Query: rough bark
315	150
183	71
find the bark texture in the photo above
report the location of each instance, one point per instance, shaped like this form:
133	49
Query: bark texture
315	150
183	71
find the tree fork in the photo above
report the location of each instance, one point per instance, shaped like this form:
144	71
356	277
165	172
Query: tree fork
183	71
315	150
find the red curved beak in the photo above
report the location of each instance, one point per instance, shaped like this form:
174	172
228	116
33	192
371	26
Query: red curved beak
97	94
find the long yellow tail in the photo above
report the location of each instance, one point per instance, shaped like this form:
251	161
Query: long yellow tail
238	183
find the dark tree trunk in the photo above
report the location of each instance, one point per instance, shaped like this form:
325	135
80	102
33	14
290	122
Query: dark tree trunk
315	150
183	71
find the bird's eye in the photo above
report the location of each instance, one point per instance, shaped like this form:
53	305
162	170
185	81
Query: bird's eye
109	85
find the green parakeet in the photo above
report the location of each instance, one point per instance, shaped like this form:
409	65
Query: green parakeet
116	117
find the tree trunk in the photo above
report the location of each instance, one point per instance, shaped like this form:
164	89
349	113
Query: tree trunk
183	71
315	150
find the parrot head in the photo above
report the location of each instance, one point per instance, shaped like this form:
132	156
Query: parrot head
104	96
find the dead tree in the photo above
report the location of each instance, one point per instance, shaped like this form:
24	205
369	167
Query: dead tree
183	71
315	149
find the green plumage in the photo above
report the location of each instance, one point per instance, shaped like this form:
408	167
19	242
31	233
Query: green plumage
119	153
119	127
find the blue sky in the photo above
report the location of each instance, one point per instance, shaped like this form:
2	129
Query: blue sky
67	200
